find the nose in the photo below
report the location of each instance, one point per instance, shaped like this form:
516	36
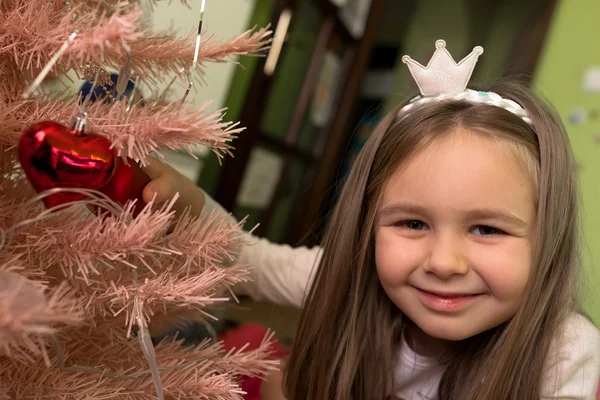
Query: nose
446	256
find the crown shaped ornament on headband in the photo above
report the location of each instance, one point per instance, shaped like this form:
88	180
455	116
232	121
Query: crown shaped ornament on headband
443	75
445	79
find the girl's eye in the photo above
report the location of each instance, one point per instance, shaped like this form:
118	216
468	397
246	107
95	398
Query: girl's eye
412	224
485	230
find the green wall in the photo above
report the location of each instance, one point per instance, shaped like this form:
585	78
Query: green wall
571	47
491	25
428	24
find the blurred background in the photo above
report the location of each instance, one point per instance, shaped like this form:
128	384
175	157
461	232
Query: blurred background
335	69
309	107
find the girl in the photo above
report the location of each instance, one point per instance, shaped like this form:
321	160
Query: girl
450	263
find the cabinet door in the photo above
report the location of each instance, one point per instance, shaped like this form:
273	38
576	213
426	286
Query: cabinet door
294	93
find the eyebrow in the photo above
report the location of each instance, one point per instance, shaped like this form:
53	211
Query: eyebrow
478	213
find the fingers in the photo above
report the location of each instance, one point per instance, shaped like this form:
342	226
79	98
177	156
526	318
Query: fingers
155	168
160	189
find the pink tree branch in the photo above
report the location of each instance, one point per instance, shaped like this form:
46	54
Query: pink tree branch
103	38
99	256
30	49
166	293
163	54
29	313
136	133
86	241
75	268
156	127
187	372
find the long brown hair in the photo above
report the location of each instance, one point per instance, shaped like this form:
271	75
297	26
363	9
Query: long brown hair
348	336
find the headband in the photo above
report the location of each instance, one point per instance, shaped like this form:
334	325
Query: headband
444	79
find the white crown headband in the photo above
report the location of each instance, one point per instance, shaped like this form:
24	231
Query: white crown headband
444	79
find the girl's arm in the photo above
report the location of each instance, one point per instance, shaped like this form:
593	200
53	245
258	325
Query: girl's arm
280	274
573	367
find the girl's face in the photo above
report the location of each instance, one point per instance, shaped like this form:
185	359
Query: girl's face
454	236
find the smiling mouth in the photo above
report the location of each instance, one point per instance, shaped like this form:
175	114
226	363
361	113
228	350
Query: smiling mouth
449	295
446	302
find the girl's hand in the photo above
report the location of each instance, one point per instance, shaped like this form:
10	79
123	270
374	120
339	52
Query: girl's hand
166	182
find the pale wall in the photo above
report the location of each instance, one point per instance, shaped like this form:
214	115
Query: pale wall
224	18
571	47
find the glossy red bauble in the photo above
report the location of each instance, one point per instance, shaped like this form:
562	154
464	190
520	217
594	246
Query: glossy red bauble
127	183
54	156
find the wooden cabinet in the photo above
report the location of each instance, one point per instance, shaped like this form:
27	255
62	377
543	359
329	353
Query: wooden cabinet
284	160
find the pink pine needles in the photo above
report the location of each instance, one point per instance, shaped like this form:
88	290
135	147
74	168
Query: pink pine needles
29	312
77	288
199	372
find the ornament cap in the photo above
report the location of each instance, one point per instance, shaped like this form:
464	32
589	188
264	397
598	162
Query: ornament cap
79	123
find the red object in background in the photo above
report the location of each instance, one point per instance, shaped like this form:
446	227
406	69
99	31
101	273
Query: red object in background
54	156
253	335
127	183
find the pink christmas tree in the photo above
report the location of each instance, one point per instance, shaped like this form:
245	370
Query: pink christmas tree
79	289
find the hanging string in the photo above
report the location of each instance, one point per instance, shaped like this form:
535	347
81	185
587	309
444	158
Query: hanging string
44	72
196	51
146	342
132	95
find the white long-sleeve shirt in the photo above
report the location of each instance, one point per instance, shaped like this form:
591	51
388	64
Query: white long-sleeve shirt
282	275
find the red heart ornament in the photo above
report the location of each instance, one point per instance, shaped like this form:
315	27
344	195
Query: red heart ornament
54	156
127	183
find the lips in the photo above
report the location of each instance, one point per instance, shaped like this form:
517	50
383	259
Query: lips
448	295
447	301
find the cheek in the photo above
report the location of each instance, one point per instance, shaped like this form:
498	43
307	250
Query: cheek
506	272
394	258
